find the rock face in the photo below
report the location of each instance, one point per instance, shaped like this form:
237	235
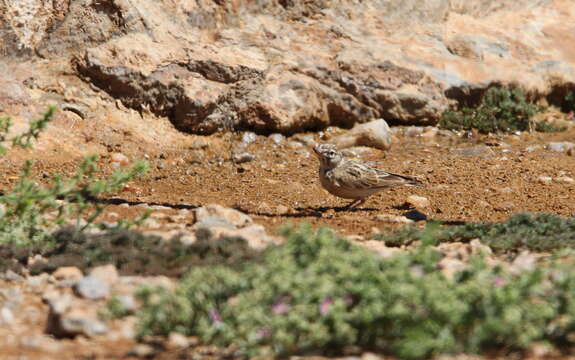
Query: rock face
288	66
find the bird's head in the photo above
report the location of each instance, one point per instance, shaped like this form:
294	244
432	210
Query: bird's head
328	154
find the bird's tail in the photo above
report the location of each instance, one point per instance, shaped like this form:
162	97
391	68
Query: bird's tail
402	180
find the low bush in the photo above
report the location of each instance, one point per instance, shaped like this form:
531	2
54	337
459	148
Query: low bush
501	110
318	292
523	231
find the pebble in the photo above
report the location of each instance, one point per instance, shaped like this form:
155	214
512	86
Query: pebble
107	273
249	137
199	143
376	134
80	322
6	316
177	341
231	216
565	180
560	146
243	157
142	351
92	287
305	139
119	158
277	139
545	180
418	201
390	218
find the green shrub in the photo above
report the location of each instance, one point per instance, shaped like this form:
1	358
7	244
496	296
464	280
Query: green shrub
317	292
535	232
30	212
501	110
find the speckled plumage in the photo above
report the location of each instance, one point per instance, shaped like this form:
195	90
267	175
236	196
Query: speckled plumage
351	179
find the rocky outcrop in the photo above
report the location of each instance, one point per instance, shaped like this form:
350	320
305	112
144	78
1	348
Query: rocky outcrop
288	66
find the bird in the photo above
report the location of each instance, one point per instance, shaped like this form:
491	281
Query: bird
351	179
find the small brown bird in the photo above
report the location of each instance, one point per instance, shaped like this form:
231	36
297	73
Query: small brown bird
352	179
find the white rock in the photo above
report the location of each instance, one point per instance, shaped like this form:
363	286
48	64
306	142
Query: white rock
565	180
560	146
119	158
232	216
419	202
544	180
373	134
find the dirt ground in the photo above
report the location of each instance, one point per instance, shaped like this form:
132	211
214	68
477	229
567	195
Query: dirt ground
477	178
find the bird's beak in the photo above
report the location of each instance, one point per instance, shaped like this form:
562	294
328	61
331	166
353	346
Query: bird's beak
316	149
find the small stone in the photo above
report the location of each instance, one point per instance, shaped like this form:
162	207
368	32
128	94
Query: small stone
119	158
282	209
68	274
545	180
6	316
277	139
12	276
92	287
243	157
305	139
199	143
394	219
142	351
107	273
413	131
177	341
374	134
81	322
430	132
565	180
560	146
371	356
525	262
249	137
418	201
294	145
232	216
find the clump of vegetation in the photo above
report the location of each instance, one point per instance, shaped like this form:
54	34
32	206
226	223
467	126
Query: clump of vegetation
500	110
523	231
319	292
29	212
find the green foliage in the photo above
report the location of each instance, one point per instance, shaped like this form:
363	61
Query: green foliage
535	232
318	292
29	212
501	110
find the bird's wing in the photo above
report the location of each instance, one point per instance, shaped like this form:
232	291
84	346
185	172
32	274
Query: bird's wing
354	174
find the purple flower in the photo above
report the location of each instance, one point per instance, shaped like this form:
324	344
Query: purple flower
215	317
325	305
280	308
499	281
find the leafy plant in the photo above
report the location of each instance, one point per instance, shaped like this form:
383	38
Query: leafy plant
30	212
318	292
500	110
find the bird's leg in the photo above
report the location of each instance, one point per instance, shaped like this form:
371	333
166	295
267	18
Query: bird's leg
355	203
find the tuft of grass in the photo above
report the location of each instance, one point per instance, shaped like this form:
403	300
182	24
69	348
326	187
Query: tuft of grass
500	110
319	293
